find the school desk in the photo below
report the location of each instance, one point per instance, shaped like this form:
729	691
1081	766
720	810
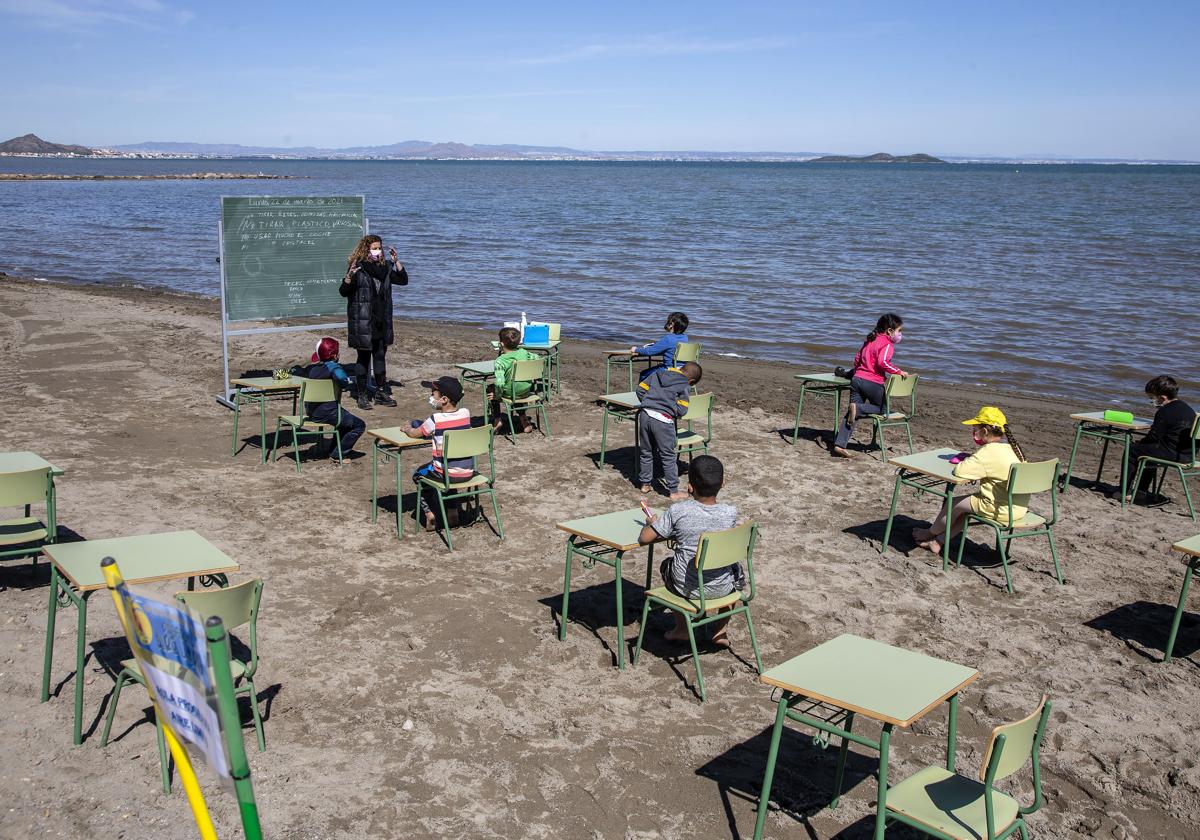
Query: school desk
604	539
1190	548
830	685
75	574
926	472
620	407
255	390
390	444
820	385
1092	424
624	357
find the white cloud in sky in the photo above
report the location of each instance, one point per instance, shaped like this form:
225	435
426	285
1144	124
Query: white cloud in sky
77	15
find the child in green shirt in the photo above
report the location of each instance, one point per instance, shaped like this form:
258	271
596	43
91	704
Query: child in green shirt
511	352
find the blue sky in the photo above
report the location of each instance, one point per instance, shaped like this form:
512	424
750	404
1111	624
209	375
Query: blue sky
1098	79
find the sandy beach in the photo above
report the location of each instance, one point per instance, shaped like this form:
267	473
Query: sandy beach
513	733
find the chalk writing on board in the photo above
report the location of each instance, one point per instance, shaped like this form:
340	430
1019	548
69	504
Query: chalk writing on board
284	256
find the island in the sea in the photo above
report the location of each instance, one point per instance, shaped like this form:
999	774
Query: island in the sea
879	157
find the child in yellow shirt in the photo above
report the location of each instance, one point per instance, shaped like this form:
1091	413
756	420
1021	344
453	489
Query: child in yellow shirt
989	465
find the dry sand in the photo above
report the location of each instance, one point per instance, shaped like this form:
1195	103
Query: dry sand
515	734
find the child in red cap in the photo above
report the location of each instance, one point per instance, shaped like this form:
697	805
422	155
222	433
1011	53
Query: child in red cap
325	366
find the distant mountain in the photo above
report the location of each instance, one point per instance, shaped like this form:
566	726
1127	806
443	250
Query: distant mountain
879	157
31	144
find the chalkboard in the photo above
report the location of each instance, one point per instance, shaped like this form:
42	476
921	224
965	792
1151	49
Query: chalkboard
284	256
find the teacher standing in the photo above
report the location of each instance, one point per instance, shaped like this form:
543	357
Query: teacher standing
367	288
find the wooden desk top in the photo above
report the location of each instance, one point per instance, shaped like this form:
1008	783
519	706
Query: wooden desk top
625	399
824	378
395	436
617	530
269	383
883	682
1139	424
13	462
142	559
934	463
1190	546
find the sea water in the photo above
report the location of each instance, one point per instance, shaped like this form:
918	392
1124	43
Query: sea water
1051	279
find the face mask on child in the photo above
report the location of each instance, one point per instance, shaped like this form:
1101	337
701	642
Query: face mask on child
897	338
978	438
433	401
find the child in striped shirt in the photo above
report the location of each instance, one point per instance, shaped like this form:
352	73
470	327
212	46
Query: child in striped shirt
444	395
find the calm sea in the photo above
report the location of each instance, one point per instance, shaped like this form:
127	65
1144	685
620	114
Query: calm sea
1078	280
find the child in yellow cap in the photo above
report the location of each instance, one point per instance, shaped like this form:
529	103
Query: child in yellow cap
989	465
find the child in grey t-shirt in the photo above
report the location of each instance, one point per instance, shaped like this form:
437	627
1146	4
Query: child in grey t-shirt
684	523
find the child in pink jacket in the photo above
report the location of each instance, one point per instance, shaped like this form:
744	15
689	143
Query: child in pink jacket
872	366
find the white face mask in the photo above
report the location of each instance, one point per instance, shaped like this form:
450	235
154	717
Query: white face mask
376	254
433	401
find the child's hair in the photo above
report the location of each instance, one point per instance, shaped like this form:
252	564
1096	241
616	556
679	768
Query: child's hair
1006	431
510	338
363	249
887	321
692	371
677	322
706	474
1163	386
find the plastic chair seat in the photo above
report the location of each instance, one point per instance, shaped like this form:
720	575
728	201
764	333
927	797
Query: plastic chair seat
465	484
688	440
950	803
529	400
23	530
661	593
895	415
1029	520
308	423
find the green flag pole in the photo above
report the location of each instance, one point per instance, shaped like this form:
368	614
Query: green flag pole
218	650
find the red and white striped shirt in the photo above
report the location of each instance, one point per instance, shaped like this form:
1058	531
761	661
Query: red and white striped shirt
436	426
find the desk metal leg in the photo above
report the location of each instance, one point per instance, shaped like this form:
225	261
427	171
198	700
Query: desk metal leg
799	408
620	614
80	655
887	531
837	412
881	797
952	733
374	480
839	773
51	616
603	438
400	495
949	493
566	599
1183	593
1066	481
1125	465
764	795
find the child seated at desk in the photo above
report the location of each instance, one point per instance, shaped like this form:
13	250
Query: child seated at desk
665	397
325	366
683	523
445	392
989	465
1170	435
511	353
676	327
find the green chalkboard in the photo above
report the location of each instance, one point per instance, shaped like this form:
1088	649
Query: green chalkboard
284	256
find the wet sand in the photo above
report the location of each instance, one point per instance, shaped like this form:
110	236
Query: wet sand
514	733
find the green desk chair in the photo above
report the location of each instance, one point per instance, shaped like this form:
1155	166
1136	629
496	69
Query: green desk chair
311	391
1186	469
943	804
689	351
897	388
528	373
717	550
552	370
1025	478
463	443
236	605
27	534
689	442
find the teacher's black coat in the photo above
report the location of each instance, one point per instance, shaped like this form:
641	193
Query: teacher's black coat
362	301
